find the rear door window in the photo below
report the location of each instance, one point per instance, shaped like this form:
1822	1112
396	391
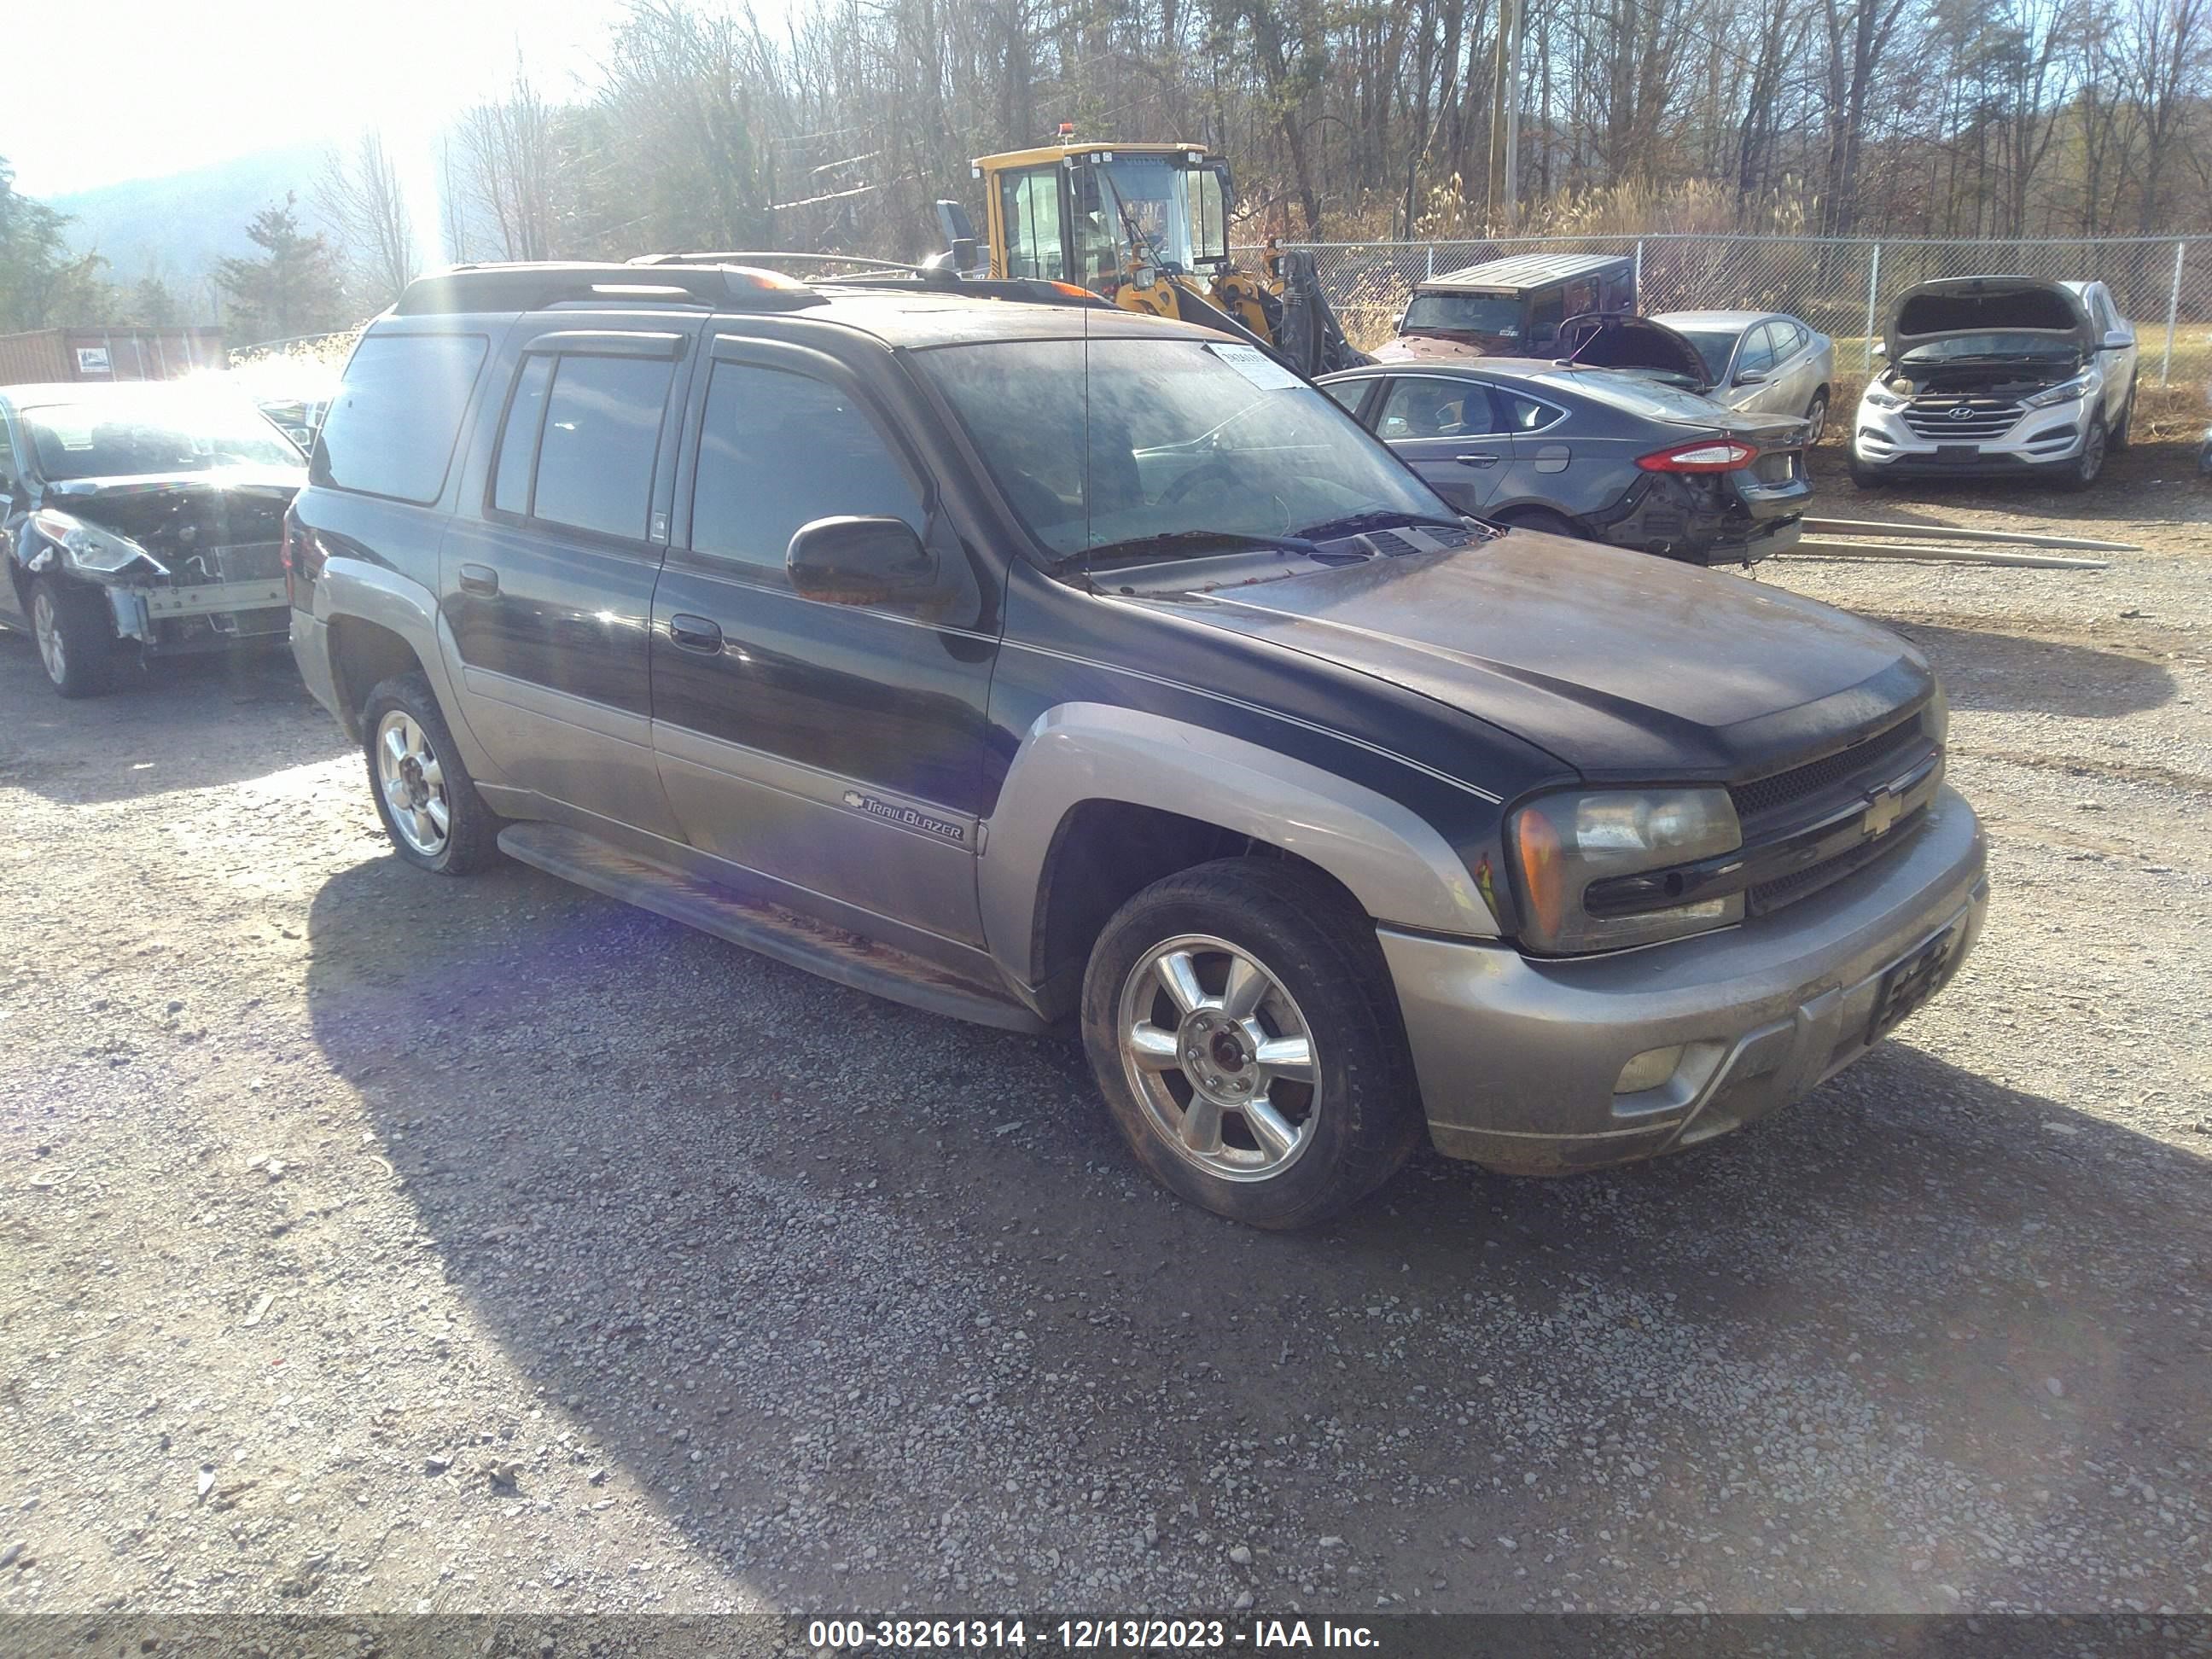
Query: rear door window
778	450
391	429
597	439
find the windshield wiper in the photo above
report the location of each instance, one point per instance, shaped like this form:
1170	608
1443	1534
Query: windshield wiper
1376	518
1173	542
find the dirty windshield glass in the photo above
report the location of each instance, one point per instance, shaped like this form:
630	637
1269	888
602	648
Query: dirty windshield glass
1959	347
1175	437
139	433
1714	346
1466	313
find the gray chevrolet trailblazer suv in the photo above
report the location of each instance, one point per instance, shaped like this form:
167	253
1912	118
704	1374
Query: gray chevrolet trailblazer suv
1047	665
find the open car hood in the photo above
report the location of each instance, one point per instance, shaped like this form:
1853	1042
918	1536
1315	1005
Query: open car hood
1635	343
1980	305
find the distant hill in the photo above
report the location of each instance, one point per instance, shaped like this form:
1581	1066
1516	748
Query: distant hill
179	226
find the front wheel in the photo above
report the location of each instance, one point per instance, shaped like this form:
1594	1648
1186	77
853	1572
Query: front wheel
2090	462
424	794
1816	421
2124	428
77	647
1240	1022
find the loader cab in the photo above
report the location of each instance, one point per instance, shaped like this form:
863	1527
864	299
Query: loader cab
1103	214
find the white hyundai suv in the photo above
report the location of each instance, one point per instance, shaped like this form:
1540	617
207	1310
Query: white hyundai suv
1997	375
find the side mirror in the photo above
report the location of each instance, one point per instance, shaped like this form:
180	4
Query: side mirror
1398	324
1752	377
851	560
1880	349
2119	340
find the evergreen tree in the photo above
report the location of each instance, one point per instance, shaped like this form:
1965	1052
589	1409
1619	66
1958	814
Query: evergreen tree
293	289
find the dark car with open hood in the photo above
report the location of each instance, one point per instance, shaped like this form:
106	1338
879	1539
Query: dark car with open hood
1069	670
140	519
2018	377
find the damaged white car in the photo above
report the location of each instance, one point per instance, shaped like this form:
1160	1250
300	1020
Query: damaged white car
140	519
2005	376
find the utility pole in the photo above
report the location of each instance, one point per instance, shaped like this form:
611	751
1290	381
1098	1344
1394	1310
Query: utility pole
1505	118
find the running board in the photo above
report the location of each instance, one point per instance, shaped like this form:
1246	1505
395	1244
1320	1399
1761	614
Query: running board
849	959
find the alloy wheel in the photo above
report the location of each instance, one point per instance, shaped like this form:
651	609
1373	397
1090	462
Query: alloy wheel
414	783
1220	1057
53	652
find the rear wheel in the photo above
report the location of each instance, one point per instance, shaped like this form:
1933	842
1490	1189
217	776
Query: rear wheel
77	647
2085	468
423	792
1240	1021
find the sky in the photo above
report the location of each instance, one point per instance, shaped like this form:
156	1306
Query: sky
105	90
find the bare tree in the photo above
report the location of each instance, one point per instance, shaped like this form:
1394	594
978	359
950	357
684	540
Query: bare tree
359	196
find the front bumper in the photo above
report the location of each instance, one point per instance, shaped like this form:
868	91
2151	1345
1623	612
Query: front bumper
211	617
1882	441
1517	1056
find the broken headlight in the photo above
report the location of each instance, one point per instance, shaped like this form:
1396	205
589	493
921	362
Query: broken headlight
87	547
1563	844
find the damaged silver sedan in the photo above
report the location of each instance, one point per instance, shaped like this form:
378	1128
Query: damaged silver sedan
140	520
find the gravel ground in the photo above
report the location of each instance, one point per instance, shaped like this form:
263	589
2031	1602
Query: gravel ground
373	1242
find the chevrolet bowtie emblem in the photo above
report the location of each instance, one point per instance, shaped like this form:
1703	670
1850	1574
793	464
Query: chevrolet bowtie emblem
1883	809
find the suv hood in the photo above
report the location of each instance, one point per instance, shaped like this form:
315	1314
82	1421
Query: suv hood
1629	668
1981	304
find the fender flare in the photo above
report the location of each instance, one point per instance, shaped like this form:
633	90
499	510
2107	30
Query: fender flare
1397	865
355	590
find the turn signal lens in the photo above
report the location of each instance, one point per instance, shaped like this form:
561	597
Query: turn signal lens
1717	455
1543	878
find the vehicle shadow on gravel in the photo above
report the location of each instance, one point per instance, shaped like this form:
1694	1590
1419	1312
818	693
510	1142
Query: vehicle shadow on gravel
2102	513
1997	672
790	1251
186	723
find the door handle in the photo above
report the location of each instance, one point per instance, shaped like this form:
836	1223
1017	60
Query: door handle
479	578
1481	457
695	634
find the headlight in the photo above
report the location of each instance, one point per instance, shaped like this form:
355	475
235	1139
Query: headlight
1563	845
2066	392
1881	397
87	546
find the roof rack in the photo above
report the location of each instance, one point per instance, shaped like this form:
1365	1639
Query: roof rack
736	281
533	286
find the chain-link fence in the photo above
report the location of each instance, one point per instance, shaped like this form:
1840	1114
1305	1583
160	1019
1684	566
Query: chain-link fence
1842	287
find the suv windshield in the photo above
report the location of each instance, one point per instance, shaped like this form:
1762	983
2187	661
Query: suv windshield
1464	313
1956	347
1175	437
137	433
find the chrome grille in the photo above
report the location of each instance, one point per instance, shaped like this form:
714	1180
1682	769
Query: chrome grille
1984	417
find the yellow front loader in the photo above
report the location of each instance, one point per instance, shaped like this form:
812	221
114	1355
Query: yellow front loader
1146	227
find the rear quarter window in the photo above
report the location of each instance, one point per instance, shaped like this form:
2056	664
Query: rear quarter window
391	428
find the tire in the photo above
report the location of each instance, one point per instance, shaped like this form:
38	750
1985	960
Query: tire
1544	519
415	770
1816	413
2122	432
2084	470
77	647
1339	1123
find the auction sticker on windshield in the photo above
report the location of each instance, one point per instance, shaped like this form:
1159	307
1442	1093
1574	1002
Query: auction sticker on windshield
1255	366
